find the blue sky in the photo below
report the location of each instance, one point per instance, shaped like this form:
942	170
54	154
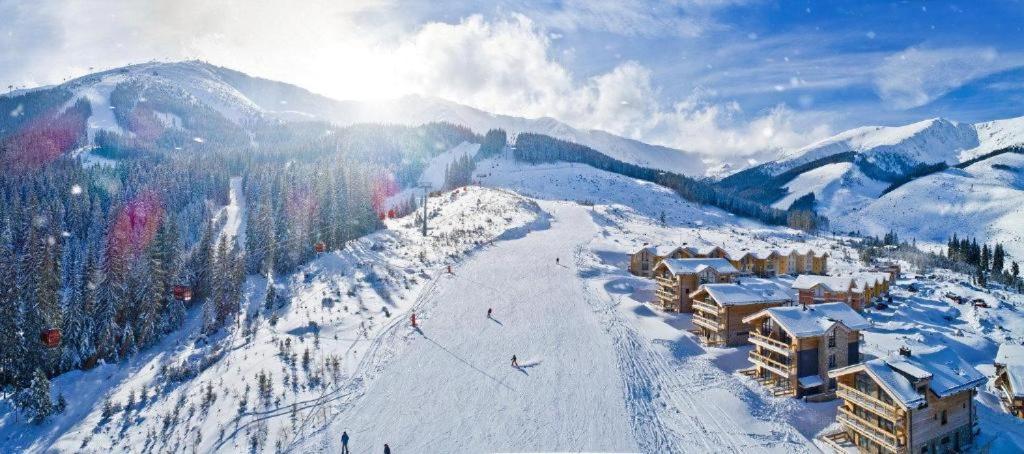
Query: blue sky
741	78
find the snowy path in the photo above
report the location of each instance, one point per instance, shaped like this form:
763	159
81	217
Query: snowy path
452	389
589	381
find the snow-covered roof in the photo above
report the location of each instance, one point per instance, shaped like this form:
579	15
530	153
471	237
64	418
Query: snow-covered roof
691	266
661	250
747	291
832	283
871	279
815	319
1011	357
945	371
811	381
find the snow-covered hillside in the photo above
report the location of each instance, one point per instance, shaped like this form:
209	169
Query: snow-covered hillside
979	201
986	200
546	248
239	98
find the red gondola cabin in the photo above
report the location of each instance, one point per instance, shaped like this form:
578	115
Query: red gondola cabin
320	247
50	337
182	293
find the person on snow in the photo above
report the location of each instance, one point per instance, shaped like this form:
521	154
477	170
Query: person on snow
489	312
344	442
449	269
387	449
556	260
515	363
413	319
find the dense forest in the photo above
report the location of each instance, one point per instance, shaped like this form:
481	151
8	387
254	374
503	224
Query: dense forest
536	148
102	255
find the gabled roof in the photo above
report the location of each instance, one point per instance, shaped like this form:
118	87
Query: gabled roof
813	320
871	278
661	250
831	283
747	291
693	266
945	371
1011	357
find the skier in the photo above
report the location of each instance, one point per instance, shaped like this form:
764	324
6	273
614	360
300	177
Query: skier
344	442
515	363
387	449
489	312
413	319
556	260
449	269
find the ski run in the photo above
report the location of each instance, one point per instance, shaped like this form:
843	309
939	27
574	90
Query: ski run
600	368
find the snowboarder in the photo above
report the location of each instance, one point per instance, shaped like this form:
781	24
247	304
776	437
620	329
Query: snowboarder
489	312
344	442
413	319
387	449
515	363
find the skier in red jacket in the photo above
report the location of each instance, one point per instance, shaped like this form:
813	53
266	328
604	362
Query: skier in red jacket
413	319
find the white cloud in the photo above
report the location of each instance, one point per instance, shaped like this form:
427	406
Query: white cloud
917	76
506	67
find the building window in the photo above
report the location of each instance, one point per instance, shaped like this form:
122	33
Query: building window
832	361
944	419
832	339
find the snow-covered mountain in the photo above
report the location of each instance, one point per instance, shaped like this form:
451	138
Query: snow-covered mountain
241	98
855	177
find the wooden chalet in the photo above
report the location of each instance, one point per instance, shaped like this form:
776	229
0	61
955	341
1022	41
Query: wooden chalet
677	278
796	346
719	309
1009	380
921	402
643	260
872	285
812	289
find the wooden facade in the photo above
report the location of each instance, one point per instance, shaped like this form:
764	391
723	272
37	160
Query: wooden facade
828	289
719	309
676	279
763	264
1009	378
795	347
878	415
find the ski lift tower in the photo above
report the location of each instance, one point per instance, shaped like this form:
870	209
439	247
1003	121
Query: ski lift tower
426	191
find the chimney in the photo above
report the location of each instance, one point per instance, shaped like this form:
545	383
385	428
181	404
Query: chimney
905	351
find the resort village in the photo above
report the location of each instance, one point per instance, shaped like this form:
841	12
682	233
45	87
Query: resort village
804	329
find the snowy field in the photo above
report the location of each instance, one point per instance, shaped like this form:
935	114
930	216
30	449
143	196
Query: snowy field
546	248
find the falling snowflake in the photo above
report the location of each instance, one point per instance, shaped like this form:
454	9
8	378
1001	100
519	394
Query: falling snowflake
76	189
198	139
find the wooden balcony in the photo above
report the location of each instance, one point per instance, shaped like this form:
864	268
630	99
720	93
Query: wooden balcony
709	323
783	370
877	434
663	294
867	402
774	345
707	307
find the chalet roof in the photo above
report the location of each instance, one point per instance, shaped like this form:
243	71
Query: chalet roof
693	266
747	291
832	283
1011	357
661	250
945	371
814	320
870	279
810	381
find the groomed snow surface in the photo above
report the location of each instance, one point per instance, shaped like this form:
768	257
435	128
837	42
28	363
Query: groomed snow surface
546	248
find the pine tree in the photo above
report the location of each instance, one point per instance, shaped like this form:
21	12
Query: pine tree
35	401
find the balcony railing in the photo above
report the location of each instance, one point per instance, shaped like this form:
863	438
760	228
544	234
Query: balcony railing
705	306
709	323
872	404
879	435
780	368
774	345
664	294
